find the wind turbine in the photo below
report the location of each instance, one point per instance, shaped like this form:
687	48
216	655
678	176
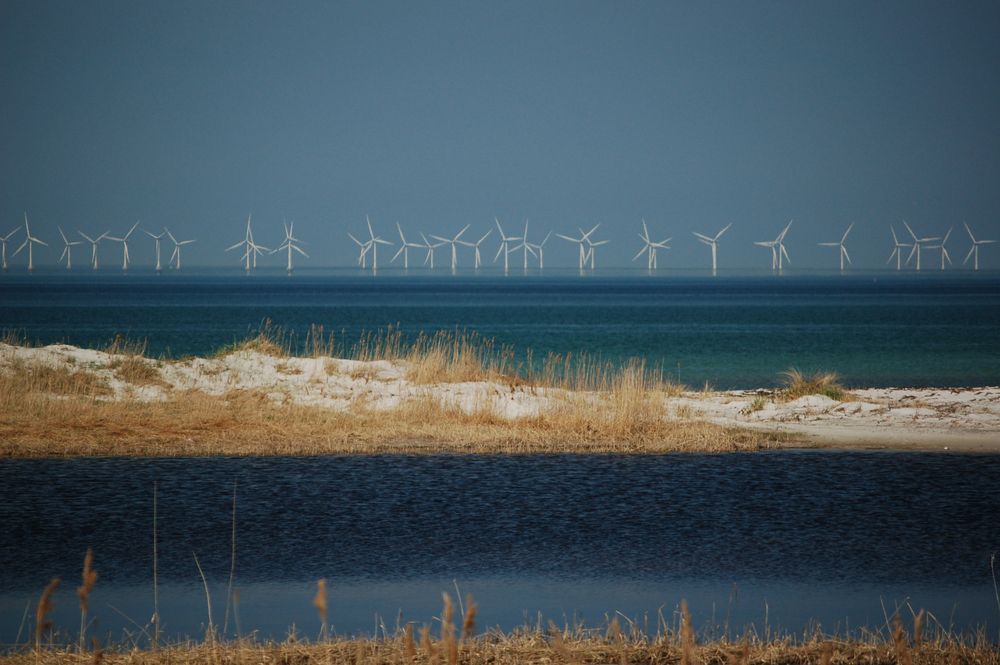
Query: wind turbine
591	246
896	250
372	243
712	242
974	250
525	245
364	247
156	239
405	248
290	245
455	242
475	245
175	257
124	241
67	252
916	244
93	247
584	237
3	241
430	247
843	250
777	246
944	250
505	242
539	250
29	242
649	247
253	250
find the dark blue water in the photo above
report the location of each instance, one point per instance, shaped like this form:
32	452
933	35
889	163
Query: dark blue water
734	332
825	536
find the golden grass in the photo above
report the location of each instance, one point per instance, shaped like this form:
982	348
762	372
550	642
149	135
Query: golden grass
136	370
798	384
21	380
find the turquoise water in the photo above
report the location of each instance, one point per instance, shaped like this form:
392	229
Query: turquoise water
732	331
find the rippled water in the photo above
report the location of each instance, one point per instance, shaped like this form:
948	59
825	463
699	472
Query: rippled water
813	535
733	331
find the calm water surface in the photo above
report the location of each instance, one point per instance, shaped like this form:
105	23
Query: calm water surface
876	329
785	536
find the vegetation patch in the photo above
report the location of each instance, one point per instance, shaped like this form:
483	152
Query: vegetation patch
798	384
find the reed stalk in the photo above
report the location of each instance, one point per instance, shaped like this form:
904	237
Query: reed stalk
83	592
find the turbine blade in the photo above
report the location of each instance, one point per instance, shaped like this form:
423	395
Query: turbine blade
719	234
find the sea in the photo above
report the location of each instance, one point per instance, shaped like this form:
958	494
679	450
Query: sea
779	542
732	331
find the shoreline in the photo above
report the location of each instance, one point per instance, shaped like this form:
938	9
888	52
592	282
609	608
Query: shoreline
66	401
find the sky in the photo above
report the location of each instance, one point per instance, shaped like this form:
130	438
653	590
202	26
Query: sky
691	115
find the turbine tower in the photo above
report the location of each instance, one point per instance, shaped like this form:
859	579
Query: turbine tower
404	248
843	250
584	238
896	250
475	246
524	245
290	245
916	244
175	257
67	252
430	247
974	250
712	242
455	242
591	247
649	247
505	248
29	242
124	241
3	241
156	240
777	246
253	250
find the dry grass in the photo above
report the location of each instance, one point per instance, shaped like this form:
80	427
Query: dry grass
798	384
22	380
137	370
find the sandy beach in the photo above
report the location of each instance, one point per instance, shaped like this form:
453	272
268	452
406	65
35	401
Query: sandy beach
965	420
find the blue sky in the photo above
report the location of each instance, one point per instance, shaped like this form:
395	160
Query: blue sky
692	115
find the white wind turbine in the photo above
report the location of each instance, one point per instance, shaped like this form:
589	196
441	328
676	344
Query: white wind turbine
916	244
525	245
974	250
175	257
777	246
843	250
505	247
944	250
3	241
405	248
475	246
290	245
252	249
539	250
584	238
67	252
373	242
156	240
93	247
455	242
896	250
649	247
29	242
591	246
363	247
430	247
712	242
124	241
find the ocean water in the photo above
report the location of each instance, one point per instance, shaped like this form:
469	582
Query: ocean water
786	537
732	331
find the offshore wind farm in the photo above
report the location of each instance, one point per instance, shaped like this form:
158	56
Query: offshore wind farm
496	333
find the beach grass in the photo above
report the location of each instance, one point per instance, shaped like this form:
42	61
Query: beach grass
800	384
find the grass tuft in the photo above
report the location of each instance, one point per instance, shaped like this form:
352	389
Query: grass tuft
798	384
